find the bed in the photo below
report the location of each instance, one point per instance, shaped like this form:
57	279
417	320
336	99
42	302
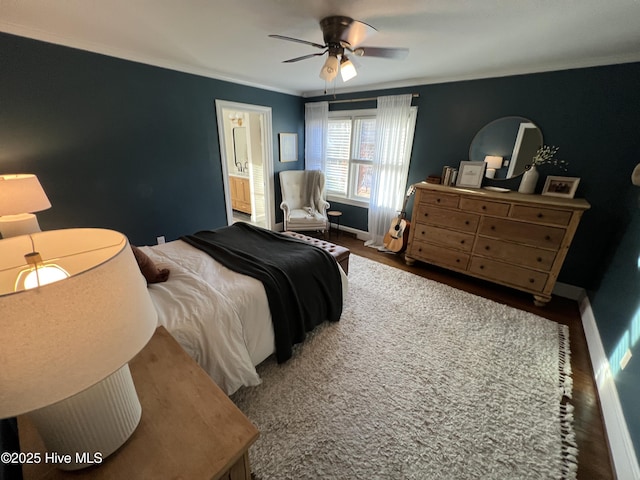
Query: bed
221	318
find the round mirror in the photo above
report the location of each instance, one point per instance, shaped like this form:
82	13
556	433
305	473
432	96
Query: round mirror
507	144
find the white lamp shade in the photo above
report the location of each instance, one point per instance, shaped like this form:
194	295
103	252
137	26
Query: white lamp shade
61	338
21	193
330	69
347	70
493	161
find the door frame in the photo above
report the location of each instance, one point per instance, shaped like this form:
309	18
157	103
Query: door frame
267	149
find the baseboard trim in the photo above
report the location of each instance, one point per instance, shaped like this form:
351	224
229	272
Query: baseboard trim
360	234
568	291
625	462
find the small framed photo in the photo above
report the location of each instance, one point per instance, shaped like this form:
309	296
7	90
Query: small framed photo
560	186
470	174
288	147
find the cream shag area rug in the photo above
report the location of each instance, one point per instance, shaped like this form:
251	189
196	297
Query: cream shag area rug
418	380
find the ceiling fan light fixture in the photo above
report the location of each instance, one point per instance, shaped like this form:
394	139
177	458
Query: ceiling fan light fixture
343	34
330	69
347	69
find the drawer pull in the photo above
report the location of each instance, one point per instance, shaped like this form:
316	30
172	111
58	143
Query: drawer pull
457	260
539	259
487	247
437	200
484	207
461	242
493	227
423	232
420	249
540	215
466	222
481	267
547	237
426	214
531	280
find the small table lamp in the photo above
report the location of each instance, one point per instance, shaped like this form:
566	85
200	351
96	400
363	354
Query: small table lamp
20	196
493	163
66	344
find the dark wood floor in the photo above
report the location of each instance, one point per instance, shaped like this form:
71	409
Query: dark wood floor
594	462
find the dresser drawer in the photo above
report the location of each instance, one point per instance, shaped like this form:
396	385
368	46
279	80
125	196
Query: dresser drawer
444	237
526	233
516	240
439	255
438	198
508	274
541	215
430	215
515	253
484	206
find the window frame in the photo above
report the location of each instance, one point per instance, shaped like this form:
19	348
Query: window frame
353	163
351	198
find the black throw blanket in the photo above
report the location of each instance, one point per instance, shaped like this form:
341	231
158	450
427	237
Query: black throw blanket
302	281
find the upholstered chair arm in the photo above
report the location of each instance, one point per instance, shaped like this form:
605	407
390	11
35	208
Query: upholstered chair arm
324	206
285	208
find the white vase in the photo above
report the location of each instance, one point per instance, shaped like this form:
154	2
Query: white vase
529	180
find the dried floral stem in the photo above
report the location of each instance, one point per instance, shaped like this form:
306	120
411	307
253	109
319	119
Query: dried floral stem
546	155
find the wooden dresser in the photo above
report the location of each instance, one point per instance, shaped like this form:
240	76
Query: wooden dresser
509	238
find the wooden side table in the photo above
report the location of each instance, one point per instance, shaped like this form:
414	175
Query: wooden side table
189	427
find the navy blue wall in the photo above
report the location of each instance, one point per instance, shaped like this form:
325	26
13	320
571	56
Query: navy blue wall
616	307
591	114
132	147
122	145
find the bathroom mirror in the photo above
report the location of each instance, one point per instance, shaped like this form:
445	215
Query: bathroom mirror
240	149
515	139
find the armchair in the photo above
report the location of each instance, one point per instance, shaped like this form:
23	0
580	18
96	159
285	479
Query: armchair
303	200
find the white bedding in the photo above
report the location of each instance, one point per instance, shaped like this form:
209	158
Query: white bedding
221	318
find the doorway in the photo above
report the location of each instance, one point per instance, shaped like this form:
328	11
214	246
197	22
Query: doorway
246	156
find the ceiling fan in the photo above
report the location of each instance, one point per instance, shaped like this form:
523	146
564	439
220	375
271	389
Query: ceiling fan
342	36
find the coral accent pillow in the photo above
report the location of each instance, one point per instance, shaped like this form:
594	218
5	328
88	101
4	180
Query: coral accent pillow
149	270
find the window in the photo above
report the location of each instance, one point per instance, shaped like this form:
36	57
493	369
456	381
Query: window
351	145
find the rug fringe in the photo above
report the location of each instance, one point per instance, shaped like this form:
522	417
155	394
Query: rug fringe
569	450
566	381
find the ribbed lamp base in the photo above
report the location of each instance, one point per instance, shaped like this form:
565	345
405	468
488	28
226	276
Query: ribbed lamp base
86	428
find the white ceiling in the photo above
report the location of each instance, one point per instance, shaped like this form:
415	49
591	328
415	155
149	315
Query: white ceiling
448	39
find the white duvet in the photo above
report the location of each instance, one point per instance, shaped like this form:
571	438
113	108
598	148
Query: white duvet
221	318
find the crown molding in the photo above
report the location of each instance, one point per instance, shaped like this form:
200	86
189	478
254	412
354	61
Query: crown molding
35	34
122	54
507	72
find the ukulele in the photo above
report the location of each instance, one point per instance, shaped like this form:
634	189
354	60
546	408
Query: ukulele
397	237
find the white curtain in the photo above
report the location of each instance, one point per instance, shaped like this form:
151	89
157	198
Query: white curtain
316	119
390	165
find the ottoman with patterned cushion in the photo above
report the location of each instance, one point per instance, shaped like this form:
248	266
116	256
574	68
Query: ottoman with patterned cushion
341	254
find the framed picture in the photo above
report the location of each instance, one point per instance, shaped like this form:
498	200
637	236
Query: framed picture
470	174
288	147
560	186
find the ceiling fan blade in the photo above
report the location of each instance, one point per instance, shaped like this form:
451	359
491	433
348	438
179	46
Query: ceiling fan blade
297	40
304	57
345	30
356	33
381	52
